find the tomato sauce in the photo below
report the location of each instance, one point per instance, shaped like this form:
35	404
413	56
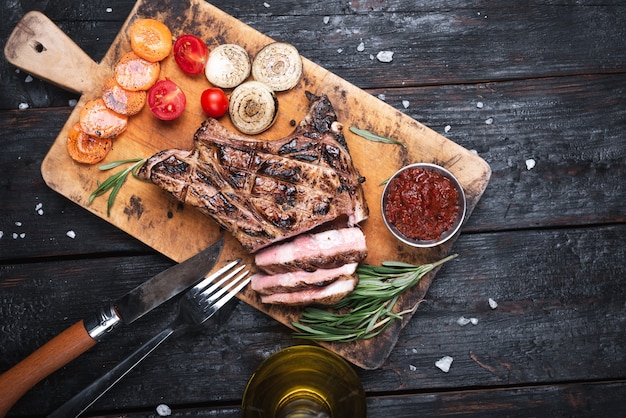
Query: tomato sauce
421	204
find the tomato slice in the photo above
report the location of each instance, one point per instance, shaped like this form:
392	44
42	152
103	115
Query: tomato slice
166	100
190	53
214	102
150	39
84	148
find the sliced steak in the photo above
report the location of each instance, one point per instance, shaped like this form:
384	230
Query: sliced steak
296	281
266	191
309	252
326	295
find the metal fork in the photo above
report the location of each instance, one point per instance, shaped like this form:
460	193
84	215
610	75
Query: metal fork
197	305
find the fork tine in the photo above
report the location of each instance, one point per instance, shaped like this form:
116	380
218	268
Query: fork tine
211	305
200	286
219	284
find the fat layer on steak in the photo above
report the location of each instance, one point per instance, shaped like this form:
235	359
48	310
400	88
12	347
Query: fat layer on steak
266	191
295	281
326	249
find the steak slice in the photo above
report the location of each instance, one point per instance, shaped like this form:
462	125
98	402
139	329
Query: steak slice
327	249
295	281
326	295
266	191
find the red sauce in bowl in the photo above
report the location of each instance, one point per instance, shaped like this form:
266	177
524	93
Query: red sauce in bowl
421	204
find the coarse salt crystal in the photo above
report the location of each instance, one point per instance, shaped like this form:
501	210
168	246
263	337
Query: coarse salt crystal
28	79
23	106
405	104
71	234
109	10
1	234
489	121
18	223
361	47
339	50
479	105
462	321
412	368
492	303
447	128
385	56
163	410
15	236
72	102
266	5
530	164
326	20
382	96
444	363
38	206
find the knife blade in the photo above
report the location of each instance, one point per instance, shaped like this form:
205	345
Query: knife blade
84	334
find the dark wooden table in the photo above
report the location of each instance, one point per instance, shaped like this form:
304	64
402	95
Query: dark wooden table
538	89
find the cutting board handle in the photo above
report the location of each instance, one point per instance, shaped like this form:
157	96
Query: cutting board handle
42	49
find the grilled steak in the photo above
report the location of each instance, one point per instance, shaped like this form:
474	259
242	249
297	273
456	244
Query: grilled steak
326	295
266	191
295	281
327	249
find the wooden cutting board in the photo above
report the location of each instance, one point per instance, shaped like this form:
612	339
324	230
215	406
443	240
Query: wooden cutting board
39	47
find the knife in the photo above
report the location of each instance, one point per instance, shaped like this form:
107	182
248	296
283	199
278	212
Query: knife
84	334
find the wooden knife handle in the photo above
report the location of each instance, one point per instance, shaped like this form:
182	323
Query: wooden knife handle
53	355
42	49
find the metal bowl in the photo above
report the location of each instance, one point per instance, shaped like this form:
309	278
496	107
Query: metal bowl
447	233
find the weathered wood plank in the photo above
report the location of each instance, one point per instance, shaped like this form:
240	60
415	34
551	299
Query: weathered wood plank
559	297
572	128
580	400
504	42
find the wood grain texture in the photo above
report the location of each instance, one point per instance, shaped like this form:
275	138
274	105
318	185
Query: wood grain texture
547	243
550	325
155	219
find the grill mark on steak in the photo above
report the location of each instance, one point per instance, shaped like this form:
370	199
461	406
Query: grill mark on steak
266	191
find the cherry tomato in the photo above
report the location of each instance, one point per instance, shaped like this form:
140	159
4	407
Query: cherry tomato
214	102
190	53
166	100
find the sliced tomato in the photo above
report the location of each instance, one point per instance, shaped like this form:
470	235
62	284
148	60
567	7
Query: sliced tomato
150	39
84	148
190	53
214	102
122	101
135	73
166	100
96	119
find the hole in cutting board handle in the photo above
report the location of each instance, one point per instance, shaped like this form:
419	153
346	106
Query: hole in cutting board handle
38	47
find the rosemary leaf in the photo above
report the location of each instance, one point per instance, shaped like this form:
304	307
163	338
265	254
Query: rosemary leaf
376	138
115	182
368	310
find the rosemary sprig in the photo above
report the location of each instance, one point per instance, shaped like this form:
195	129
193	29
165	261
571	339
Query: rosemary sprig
376	138
116	181
368	310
